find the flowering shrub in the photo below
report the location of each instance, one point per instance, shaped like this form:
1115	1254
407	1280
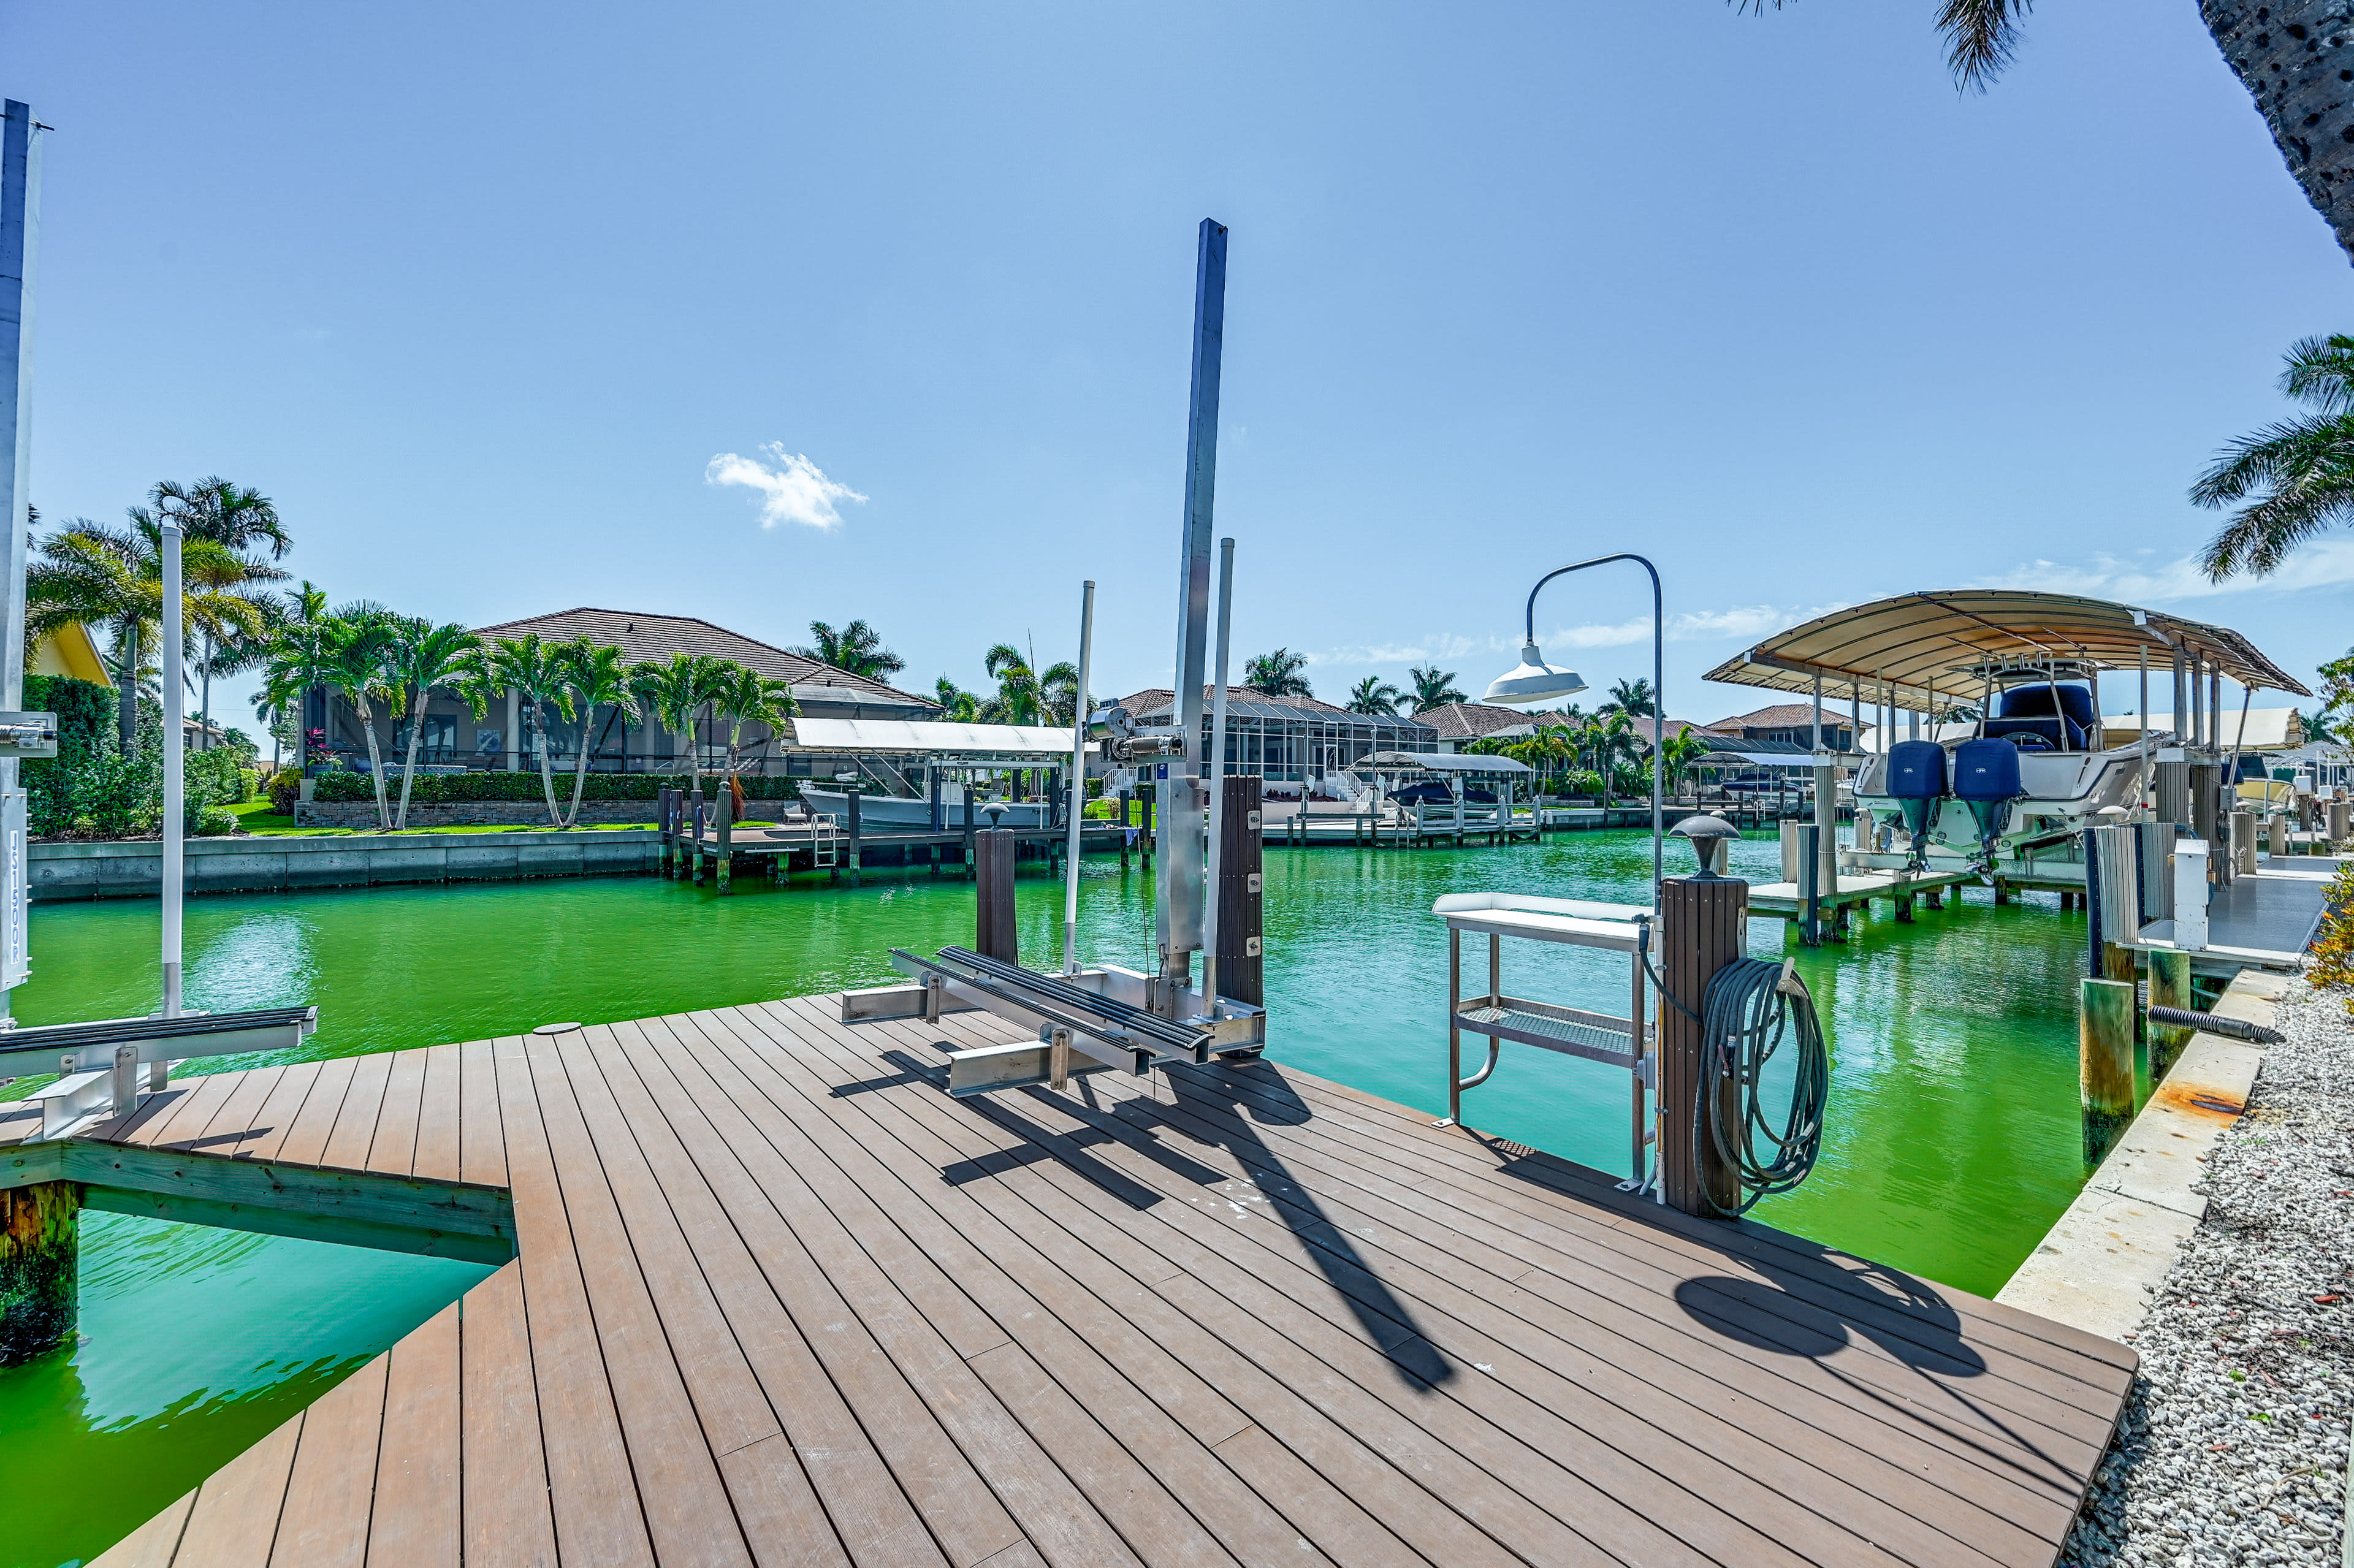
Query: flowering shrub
2333	949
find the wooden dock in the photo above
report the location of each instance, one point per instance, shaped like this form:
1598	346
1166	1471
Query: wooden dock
779	1300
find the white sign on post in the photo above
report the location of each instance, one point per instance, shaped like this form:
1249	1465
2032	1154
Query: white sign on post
2190	895
15	960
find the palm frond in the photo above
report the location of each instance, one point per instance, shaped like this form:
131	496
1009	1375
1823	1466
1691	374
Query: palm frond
1980	37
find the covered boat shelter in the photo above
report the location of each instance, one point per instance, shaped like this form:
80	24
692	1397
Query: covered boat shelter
911	756
1930	652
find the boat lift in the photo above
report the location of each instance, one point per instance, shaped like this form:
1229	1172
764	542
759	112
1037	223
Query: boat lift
1106	1017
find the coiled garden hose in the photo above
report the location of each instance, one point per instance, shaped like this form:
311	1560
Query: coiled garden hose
1753	1007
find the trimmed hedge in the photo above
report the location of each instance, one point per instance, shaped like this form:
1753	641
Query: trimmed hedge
464	788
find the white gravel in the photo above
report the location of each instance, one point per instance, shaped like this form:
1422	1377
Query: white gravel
2234	1447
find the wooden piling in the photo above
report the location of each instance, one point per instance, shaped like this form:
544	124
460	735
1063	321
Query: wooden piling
724	809
2104	1051
40	1247
2244	843
2169	986
857	860
694	812
970	870
1703	926
2341	820
1242	966
995	933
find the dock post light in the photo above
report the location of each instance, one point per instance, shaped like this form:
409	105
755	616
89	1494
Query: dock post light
1711	837
1533	681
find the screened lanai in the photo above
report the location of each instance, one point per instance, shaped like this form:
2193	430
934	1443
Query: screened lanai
1296	739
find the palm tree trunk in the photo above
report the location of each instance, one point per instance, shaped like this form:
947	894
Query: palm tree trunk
546	774
408	767
127	702
2283	53
579	769
375	763
205	700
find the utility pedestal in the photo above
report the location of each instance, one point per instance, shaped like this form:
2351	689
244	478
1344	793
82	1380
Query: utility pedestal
994	934
1703	926
40	1249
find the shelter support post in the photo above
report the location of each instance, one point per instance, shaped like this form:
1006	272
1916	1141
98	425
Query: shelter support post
1703	924
40	1248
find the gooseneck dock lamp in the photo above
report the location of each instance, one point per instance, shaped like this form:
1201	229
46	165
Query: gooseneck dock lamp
1533	681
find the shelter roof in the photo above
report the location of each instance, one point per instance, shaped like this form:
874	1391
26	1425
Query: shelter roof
1918	642
942	738
1160	704
1446	762
642	636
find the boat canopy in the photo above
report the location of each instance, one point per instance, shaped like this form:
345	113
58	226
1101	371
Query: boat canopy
1906	646
961	742
1446	762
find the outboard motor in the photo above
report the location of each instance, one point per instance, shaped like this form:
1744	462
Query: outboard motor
1916	782
1985	779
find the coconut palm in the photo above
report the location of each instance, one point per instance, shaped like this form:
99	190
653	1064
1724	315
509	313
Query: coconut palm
1277	673
595	677
355	659
239	519
535	672
2284	52
113	577
956	703
295	663
1632	698
1433	688
420	657
1375	697
856	649
1023	693
2299	472
742	696
678	695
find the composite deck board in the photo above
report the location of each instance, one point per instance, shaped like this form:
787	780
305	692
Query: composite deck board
779	1300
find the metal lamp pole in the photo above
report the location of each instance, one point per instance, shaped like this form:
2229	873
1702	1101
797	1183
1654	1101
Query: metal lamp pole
1658	686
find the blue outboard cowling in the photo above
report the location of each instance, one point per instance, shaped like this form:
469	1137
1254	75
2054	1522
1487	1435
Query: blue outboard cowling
1916	782
1985	779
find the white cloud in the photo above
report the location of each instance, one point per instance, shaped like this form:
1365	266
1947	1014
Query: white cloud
792	489
2142	580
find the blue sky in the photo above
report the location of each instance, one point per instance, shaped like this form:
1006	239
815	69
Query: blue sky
480	293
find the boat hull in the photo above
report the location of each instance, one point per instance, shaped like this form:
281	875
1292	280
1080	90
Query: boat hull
902	813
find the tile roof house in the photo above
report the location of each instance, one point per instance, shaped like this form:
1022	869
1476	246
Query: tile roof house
1792	722
1460	724
454	737
645	637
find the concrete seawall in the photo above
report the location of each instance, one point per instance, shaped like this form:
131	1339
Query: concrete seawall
134	870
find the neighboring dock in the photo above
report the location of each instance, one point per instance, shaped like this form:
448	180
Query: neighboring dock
777	1298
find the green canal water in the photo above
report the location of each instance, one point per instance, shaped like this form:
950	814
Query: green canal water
1954	1139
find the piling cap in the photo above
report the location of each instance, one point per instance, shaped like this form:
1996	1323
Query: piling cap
1706	826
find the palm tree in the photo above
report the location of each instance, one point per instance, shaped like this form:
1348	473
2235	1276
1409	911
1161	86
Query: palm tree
596	678
1058	691
1018	698
676	695
2282	52
1374	695
420	657
1433	688
1679	753
535	672
1632	698
113	577
294	662
957	704
237	518
355	659
742	695
1277	673
2300	471
856	649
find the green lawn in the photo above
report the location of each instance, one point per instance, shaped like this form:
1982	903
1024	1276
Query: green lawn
262	820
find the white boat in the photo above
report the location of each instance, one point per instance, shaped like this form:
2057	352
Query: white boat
2065	781
913	814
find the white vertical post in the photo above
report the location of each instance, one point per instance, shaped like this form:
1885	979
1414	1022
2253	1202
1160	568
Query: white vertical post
1078	781
1218	782
20	228
174	757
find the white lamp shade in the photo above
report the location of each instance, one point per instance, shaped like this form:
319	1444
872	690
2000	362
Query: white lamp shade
1533	681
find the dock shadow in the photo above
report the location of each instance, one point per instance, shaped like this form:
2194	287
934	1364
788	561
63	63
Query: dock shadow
1235	1098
